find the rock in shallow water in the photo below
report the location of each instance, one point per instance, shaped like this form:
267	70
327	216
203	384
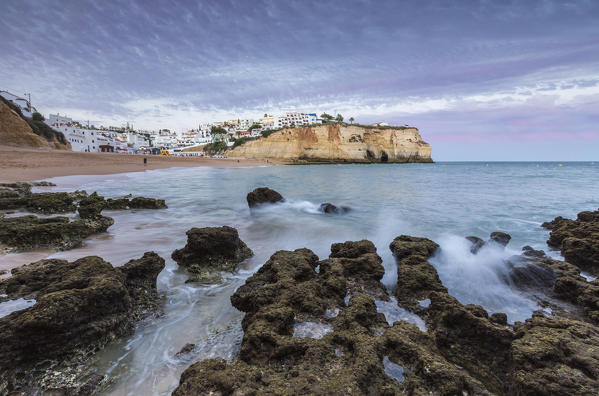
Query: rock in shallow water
263	195
31	232
80	306
500	238
210	250
328	207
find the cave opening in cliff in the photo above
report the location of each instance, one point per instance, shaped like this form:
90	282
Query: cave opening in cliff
384	157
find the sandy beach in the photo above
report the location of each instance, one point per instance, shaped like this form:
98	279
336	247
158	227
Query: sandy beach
20	164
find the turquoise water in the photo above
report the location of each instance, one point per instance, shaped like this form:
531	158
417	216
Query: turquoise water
442	201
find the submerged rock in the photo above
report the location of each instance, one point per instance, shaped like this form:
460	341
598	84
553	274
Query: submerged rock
80	306
263	195
328	207
210	250
31	232
578	240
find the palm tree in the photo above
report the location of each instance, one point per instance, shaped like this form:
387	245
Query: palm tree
351	120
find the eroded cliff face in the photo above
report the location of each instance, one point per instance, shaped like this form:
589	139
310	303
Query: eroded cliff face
339	143
15	131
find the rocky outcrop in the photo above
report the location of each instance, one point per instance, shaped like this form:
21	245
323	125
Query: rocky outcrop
16	130
314	327
339	144
578	240
79	307
210	250
61	233
263	195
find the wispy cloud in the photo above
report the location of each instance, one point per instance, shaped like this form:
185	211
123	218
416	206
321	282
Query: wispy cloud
175	64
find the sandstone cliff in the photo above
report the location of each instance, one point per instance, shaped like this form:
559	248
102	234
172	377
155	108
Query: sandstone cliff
16	131
339	143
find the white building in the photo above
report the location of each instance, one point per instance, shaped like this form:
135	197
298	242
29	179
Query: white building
26	108
96	140
296	119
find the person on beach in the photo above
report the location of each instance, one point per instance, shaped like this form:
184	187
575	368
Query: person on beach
145	161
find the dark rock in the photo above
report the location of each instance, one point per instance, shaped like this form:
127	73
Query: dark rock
528	274
330	208
500	238
146	203
31	232
80	306
530	252
210	250
263	195
186	350
416	278
578	240
477	243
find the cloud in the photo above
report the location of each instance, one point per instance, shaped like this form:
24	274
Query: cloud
174	64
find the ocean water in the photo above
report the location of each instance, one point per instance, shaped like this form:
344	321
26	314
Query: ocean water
442	201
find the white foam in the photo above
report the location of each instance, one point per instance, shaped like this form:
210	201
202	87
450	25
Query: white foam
477	278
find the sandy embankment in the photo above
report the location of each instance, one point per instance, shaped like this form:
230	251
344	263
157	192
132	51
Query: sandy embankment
20	164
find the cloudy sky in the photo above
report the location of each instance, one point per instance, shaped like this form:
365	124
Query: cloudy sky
482	80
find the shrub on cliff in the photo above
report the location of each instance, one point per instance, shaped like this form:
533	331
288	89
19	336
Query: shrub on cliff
215	147
268	132
238	142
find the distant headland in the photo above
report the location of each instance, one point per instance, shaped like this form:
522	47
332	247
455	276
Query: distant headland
339	143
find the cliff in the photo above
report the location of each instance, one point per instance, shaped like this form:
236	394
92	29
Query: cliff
339	143
16	130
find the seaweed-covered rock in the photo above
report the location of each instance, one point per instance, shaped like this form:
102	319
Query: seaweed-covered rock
287	295
31	232
146	203
210	250
79	307
555	356
416	277
578	240
46	203
19	196
263	195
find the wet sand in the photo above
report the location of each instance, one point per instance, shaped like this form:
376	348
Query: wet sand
20	164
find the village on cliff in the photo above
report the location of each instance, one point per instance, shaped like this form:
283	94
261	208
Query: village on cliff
86	137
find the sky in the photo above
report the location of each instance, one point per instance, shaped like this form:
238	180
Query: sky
482	80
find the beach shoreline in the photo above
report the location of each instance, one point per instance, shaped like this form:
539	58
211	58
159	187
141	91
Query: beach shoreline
24	164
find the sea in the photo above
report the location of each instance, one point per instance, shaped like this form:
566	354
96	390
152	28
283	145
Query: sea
444	201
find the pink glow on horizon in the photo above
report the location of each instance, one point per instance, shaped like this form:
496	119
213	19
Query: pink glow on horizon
510	137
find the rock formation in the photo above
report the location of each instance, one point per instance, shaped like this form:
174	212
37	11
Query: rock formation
16	131
339	144
263	195
314	327
210	250
61	233
79	307
578	240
